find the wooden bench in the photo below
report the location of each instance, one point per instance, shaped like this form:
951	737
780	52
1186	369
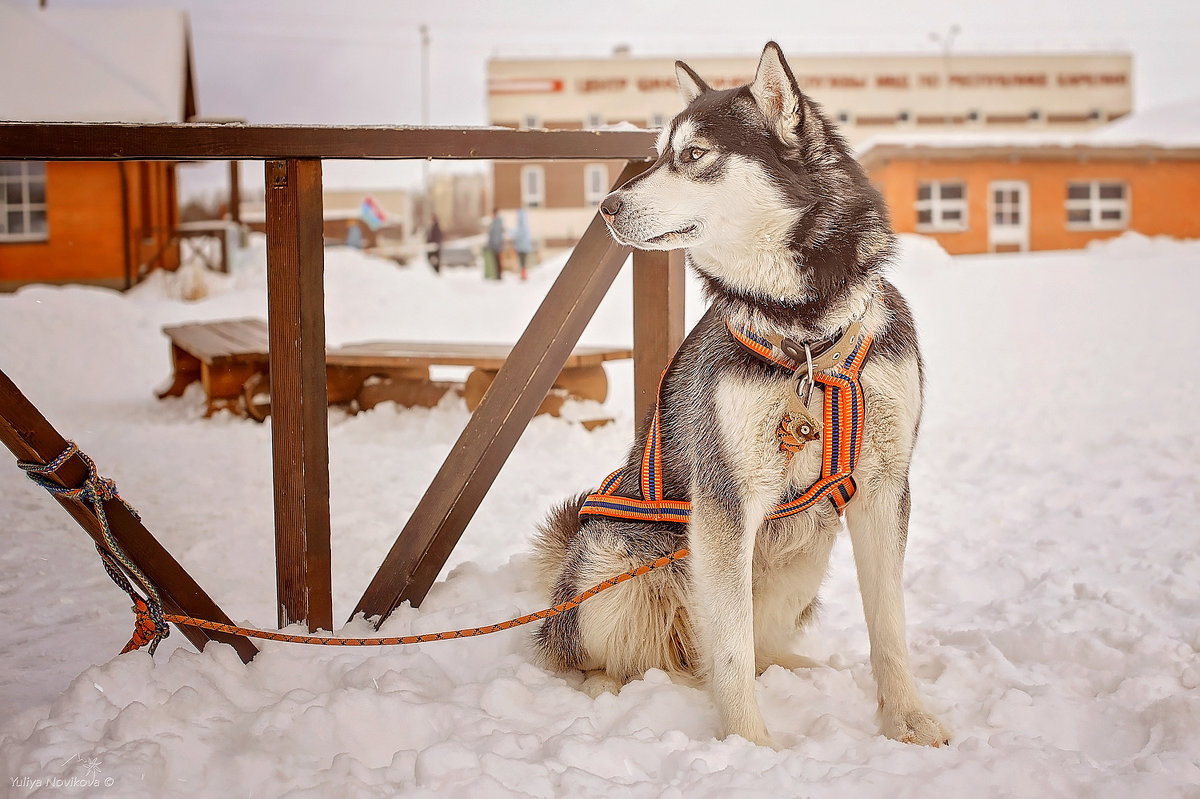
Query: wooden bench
230	359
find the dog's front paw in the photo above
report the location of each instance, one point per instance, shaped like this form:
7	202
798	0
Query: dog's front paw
915	727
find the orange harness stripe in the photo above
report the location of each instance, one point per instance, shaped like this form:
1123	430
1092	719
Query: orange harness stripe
844	416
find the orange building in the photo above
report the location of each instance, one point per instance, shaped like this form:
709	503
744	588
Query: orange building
105	223
993	194
998	198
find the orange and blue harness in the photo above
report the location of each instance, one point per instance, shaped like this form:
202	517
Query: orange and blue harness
844	412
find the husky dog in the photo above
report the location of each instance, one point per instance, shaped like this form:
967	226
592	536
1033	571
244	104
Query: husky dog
790	240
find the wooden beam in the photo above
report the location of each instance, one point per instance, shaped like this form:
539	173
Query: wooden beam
235	196
299	410
658	281
112	141
31	438
422	548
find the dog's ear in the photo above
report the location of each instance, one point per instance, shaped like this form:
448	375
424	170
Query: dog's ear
777	95
691	85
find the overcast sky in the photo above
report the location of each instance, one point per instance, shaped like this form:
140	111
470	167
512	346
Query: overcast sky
358	61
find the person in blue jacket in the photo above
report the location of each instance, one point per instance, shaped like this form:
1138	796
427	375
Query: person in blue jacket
522	240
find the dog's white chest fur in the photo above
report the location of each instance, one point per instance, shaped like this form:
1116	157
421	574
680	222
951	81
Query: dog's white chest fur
749	411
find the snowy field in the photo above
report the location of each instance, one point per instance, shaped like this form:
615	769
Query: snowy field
1053	576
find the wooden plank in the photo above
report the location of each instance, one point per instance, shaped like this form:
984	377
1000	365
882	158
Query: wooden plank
233	339
428	353
420	551
76	141
299	431
658	281
248	335
241	339
30	437
202	341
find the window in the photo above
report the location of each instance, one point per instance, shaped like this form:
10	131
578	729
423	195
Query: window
942	205
533	186
594	121
974	116
845	117
903	116
595	184
1097	204
1035	115
658	120
23	201
531	121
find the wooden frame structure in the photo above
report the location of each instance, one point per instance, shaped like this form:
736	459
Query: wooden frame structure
295	284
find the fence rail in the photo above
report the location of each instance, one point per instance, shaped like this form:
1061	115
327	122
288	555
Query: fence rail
104	141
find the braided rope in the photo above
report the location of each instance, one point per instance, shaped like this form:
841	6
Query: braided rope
151	626
470	632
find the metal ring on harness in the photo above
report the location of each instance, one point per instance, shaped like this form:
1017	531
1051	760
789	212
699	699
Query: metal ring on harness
804	382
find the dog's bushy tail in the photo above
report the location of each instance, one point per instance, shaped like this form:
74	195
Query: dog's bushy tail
556	642
552	540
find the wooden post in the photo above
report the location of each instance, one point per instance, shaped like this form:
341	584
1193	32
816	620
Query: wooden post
235	194
658	281
299	409
31	438
443	513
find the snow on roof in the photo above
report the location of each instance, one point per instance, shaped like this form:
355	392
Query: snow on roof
1169	126
93	65
1173	125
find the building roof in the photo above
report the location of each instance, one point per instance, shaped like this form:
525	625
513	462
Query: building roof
1174	125
1165	132
95	65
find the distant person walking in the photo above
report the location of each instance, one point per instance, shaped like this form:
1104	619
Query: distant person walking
522	240
434	238
495	246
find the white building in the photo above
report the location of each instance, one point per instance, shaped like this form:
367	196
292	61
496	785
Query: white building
867	95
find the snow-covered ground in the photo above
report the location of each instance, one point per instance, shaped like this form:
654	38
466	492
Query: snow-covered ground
1053	577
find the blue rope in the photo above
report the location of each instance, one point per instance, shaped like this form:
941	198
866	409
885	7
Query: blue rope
96	490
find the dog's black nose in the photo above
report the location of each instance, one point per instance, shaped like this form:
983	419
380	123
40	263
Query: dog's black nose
611	205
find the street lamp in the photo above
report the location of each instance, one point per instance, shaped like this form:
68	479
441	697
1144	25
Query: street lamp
946	42
427	216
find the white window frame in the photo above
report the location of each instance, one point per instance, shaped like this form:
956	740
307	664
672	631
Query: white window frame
1094	205
27	174
533	195
937	206
595	184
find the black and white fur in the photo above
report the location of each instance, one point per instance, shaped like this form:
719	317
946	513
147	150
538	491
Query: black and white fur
790	237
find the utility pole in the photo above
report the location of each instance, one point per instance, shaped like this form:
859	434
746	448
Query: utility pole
427	215
946	42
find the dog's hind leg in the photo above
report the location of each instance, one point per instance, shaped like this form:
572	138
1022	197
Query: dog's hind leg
722	547
878	522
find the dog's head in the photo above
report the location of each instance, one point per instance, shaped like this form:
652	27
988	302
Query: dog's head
744	172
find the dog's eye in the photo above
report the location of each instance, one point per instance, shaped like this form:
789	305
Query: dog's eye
695	153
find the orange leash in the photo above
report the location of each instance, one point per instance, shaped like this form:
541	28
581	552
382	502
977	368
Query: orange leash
415	639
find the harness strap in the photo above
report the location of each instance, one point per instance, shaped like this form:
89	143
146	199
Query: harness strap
844	413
